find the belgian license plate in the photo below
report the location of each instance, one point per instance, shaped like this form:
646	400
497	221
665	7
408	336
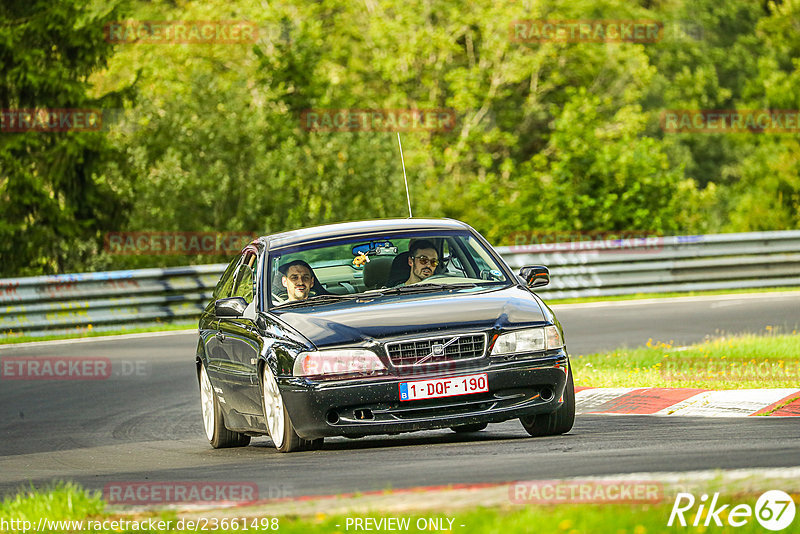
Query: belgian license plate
444	387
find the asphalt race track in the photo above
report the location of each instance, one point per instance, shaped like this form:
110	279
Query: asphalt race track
594	327
143	422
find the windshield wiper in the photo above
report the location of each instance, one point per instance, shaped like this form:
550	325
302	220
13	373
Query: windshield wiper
426	287
416	288
317	299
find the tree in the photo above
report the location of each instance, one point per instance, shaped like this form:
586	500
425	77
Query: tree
53	197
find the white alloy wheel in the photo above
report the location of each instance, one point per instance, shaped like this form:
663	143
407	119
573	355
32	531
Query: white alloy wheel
213	422
207	401
273	408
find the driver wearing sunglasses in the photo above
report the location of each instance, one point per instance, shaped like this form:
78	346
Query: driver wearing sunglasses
422	260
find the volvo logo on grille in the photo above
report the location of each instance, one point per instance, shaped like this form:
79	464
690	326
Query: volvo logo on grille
437	349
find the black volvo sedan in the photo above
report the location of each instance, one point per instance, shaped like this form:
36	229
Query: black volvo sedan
378	327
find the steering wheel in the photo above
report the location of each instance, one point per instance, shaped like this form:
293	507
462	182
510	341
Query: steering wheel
434	277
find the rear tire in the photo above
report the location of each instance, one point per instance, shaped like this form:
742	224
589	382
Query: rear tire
558	422
217	433
463	429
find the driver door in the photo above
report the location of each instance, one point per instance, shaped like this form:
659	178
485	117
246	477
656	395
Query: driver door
240	341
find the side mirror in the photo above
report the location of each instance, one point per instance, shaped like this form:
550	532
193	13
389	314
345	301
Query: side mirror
230	307
535	275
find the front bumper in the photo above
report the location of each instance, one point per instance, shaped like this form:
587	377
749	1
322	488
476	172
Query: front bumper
372	406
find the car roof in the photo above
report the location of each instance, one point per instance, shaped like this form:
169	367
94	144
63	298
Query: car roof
377	226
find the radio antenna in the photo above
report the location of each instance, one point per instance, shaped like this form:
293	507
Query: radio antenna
408	196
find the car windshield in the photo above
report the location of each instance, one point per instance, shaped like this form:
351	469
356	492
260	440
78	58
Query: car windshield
396	263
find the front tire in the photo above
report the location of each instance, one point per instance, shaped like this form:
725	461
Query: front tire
217	433
558	422
279	425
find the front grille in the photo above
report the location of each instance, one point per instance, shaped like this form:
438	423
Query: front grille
436	349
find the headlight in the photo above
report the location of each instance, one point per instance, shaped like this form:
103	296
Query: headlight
530	340
339	363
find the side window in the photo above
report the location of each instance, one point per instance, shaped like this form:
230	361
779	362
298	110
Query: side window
225	283
453	255
452	261
244	278
484	262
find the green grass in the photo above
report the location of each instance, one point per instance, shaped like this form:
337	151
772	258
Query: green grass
70	502
89	332
735	362
60	501
640	296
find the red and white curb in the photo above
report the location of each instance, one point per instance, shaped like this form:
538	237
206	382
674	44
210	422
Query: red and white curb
690	402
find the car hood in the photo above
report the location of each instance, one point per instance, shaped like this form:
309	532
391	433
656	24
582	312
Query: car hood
359	323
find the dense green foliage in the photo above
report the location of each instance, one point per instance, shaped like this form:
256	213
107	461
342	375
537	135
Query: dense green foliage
53	195
549	136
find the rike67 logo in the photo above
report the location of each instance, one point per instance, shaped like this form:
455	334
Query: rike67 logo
774	510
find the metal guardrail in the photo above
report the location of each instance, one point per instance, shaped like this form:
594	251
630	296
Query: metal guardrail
664	264
114	300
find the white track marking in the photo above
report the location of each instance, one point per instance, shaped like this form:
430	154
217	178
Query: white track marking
674	300
727	403
97	338
588	400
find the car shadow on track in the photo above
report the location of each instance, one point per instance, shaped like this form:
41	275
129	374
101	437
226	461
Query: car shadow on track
435	437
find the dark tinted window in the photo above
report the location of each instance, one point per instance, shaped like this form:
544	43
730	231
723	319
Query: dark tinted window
244	277
225	283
